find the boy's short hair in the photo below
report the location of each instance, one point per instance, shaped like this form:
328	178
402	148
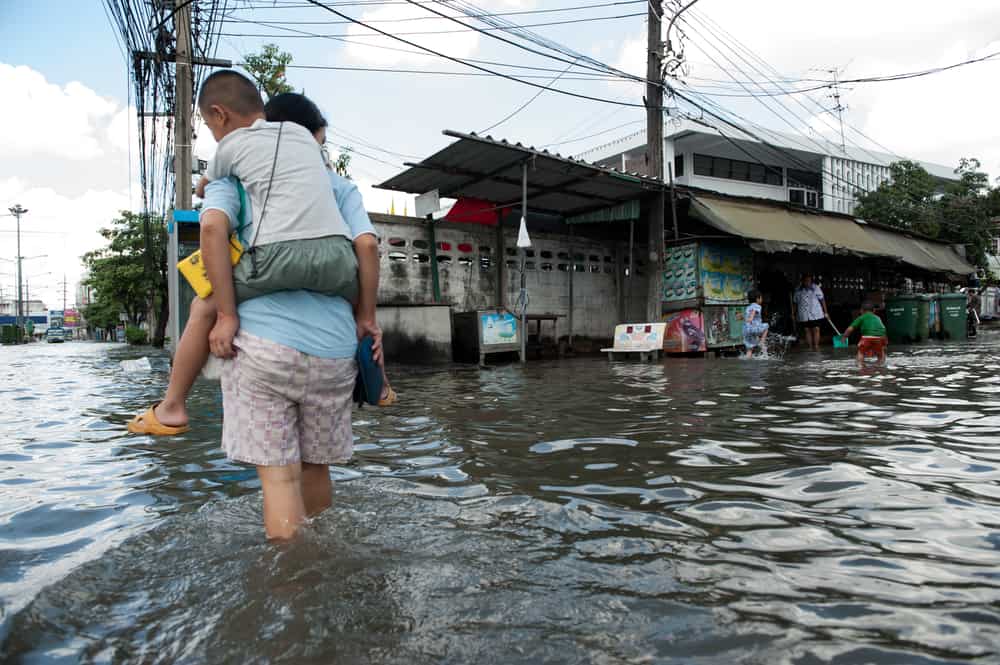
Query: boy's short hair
867	306
231	90
752	295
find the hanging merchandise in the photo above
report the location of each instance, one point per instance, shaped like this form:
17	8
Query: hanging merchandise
523	240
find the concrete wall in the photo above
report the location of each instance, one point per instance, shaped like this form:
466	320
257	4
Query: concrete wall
468	256
416	333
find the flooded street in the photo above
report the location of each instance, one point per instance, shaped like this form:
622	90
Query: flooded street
693	511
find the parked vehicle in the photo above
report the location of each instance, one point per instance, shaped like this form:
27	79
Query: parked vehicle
56	335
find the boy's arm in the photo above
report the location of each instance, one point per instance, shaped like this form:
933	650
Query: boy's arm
215	254
366	249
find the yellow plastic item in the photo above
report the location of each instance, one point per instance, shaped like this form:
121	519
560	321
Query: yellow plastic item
193	268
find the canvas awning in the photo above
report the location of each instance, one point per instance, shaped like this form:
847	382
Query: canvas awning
775	228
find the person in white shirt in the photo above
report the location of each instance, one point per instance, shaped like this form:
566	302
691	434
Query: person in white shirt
810	310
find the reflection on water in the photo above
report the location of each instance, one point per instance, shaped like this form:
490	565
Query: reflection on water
794	511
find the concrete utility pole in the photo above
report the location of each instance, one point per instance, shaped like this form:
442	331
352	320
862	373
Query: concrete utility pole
17	210
183	106
654	156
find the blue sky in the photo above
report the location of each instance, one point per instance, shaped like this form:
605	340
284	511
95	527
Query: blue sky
64	126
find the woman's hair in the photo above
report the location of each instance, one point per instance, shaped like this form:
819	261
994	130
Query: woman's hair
752	295
297	108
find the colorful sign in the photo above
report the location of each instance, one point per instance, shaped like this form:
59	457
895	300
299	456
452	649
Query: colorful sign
71	318
726	273
680	273
685	332
639	336
498	328
724	325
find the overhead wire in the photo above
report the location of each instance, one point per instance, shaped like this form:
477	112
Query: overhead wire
525	104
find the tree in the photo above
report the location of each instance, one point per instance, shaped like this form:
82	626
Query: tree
905	201
267	69
130	275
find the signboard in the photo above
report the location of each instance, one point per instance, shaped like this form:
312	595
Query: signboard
427	204
498	328
723	325
685	332
726	273
71	318
680	273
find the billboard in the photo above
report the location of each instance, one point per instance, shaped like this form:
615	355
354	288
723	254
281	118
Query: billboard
726	273
71	318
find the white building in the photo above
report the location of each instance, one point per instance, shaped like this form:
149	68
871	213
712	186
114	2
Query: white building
808	171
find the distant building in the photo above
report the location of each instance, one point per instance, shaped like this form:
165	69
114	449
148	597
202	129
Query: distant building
84	292
808	171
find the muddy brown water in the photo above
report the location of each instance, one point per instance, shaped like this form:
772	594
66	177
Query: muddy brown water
793	511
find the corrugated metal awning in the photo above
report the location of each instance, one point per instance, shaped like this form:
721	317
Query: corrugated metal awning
774	228
623	212
483	168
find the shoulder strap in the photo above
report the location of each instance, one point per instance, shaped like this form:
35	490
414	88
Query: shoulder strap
241	218
256	232
270	181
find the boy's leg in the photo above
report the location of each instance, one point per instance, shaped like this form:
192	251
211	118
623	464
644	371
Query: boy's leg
284	510
192	352
317	489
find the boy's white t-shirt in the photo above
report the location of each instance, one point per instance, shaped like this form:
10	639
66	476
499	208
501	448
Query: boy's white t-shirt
301	204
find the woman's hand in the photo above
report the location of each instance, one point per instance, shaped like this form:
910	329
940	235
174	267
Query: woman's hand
370	327
220	340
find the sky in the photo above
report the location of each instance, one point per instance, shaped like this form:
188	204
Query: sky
68	135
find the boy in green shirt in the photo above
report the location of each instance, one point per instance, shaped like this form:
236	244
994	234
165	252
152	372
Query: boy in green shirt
873	338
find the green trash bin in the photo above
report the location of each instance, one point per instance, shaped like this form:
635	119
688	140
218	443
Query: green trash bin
953	315
923	317
901	313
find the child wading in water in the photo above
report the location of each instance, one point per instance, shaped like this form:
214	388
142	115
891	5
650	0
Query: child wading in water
754	328
873	338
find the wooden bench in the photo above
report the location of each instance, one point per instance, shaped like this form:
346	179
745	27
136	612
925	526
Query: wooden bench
644	339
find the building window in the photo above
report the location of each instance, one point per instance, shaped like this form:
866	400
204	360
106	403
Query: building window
797	196
678	166
735	169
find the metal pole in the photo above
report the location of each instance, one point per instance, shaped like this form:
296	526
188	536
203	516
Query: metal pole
500	261
524	258
572	270
654	154
182	154
17	210
673	202
631	270
435	279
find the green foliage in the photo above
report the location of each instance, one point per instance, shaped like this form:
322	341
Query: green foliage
912	200
267	68
343	162
129	275
135	336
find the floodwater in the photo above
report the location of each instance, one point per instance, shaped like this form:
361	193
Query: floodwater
694	511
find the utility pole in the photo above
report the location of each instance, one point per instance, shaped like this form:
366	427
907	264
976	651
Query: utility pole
654	155
839	108
64	296
17	210
183	106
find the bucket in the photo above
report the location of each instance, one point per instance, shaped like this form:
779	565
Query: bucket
841	342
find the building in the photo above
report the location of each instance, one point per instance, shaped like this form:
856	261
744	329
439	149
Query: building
84	292
810	172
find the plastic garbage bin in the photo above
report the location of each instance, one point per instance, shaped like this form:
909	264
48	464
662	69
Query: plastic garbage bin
901	313
953	315
923	317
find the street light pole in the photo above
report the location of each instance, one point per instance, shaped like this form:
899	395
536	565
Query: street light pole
17	211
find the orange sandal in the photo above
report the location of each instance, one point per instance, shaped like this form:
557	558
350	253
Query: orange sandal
390	397
147	423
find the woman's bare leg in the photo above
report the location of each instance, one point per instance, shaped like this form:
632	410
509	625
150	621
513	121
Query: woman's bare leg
317	489
284	510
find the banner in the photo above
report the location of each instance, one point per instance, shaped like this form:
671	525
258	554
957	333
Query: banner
685	332
726	273
71	318
680	273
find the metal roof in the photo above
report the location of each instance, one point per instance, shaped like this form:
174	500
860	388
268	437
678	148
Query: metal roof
489	169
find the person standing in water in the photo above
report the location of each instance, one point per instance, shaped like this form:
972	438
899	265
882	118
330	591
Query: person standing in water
810	310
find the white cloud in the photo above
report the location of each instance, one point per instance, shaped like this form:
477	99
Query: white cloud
453	40
938	118
39	118
62	228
